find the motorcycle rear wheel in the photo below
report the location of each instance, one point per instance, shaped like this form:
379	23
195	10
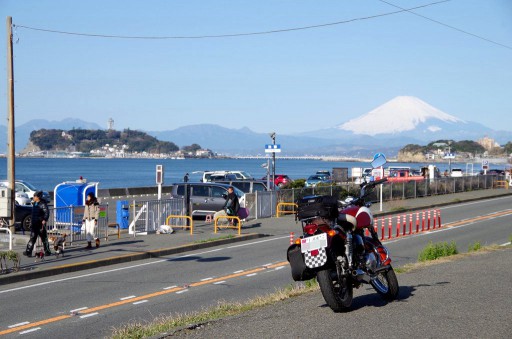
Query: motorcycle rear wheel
386	284
337	294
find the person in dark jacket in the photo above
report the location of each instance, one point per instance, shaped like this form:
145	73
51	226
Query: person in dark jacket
40	215
231	207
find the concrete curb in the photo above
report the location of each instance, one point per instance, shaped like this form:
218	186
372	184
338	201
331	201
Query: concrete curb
35	274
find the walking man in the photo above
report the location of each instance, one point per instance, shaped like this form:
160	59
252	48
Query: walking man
40	215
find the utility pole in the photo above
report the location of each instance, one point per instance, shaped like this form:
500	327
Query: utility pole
273	136
10	122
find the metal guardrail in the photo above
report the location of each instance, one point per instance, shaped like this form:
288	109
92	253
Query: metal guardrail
191	226
149	215
283	204
68	220
233	217
7	230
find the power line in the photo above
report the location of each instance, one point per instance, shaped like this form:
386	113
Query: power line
232	35
446	25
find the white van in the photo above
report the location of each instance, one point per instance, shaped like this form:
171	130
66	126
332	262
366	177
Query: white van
456	173
231	175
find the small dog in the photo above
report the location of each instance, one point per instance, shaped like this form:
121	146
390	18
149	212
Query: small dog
40	254
59	244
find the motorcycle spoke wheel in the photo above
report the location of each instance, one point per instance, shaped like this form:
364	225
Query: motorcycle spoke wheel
337	293
386	284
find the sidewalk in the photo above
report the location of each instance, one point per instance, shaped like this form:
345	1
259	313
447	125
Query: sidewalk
128	248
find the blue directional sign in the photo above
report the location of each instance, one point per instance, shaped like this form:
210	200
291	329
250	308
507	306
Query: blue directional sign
271	148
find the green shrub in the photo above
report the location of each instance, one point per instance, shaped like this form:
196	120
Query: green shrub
474	246
438	250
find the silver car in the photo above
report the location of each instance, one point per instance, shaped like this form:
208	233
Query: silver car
206	198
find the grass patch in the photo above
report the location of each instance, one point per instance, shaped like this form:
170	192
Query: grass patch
419	265
476	246
456	200
171	323
398	209
438	250
214	239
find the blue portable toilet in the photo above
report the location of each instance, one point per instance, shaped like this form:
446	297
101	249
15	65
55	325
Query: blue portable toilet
71	193
123	213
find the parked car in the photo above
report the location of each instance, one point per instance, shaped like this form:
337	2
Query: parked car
23	217
279	180
316	179
236	175
221	177
324	172
26	187
493	172
456	173
247	186
206	198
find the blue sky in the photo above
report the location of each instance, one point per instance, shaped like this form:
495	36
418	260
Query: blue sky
287	82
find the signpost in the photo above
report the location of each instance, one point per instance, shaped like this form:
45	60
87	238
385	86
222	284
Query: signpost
485	166
273	148
159	179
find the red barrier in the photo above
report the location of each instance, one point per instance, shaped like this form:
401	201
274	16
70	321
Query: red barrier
390	228
423	221
291	238
382	229
398	222
417	222
428	223
439	218
404	224
410	223
435	219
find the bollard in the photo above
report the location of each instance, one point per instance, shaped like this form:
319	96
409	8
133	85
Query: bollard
390	226
382	229
291	238
435	217
404	224
417	222
398	223
410	223
423	221
428	222
439	218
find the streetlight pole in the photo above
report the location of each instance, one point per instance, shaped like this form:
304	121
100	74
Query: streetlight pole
273	136
10	123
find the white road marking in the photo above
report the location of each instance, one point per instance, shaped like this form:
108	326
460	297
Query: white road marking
88	315
78	309
31	330
279	268
251	275
260	241
471	203
506	244
182	291
239	271
170	287
19	324
126	298
266	265
140	302
206	279
219	282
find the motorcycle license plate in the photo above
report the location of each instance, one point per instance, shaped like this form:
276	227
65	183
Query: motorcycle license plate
313	243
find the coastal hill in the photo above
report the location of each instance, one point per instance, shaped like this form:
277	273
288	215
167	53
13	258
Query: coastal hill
83	140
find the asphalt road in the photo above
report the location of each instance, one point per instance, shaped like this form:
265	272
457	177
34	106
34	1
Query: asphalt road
92	302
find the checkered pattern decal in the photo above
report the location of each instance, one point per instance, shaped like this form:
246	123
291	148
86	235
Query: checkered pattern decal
317	260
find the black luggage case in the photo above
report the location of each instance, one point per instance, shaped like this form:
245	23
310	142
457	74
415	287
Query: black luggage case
324	206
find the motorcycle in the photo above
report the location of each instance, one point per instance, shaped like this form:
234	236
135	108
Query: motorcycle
334	249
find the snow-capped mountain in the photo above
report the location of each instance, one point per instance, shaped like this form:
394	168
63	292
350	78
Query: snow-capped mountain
401	114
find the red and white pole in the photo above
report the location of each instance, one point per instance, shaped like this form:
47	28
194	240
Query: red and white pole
291	238
439	218
417	222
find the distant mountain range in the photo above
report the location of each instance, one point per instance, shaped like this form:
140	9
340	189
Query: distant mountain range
387	128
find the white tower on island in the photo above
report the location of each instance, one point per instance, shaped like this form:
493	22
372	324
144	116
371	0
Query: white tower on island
110	124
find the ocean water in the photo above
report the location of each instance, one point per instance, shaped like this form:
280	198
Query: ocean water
46	173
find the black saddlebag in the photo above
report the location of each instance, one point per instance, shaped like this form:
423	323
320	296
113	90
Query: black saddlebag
300	271
324	206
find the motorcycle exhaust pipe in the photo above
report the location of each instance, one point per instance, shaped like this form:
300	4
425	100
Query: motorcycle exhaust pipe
361	276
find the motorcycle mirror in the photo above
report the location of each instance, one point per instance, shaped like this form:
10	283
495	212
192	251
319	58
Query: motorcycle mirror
378	160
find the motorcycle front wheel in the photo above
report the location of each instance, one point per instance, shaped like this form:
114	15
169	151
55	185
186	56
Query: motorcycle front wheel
386	284
336	292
